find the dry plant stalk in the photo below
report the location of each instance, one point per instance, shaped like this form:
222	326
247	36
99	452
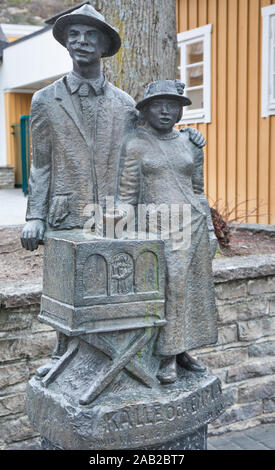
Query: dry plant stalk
223	215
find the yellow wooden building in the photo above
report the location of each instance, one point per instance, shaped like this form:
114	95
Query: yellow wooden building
227	61
240	151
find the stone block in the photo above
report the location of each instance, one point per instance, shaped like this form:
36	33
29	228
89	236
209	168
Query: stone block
28	444
227	334
230	396
225	358
229	290
38	327
12	374
11	321
17	429
21	294
272	305
256	390
269	405
30	346
263	348
247	309
250	330
250	370
244	267
220	373
12	404
240	413
269	326
261	286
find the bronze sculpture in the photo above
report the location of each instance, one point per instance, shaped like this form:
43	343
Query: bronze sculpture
106	298
161	165
77	124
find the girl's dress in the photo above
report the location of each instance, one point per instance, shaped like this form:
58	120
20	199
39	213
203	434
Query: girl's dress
160	170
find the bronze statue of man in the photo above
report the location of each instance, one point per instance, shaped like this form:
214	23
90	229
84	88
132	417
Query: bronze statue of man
77	125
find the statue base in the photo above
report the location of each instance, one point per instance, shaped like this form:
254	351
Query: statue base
106	299
126	415
195	441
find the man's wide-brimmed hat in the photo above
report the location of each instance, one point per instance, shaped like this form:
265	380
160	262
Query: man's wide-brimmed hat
164	89
89	16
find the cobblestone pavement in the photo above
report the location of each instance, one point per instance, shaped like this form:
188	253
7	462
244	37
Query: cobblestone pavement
258	438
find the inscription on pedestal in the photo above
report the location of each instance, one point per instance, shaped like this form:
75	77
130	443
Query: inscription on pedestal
143	416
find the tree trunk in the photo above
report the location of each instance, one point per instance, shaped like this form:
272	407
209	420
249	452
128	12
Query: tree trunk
149	42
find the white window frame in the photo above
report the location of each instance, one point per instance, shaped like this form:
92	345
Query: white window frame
202	33
268	65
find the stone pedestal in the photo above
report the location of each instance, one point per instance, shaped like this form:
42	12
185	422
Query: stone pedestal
106	298
127	416
194	441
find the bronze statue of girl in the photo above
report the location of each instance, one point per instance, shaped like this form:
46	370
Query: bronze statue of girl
162	165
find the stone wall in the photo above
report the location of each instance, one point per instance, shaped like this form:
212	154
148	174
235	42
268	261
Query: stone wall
25	344
243	358
6	177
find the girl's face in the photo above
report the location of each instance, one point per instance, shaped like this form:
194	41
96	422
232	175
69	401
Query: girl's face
163	113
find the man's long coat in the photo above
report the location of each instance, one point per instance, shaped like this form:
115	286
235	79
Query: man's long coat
71	169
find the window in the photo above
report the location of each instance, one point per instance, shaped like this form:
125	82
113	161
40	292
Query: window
268	61
194	69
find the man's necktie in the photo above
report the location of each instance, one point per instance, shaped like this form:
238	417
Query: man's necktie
87	110
89	120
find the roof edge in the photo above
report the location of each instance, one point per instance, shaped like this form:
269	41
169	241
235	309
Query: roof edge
29	36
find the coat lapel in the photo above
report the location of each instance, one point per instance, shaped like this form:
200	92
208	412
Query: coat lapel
65	101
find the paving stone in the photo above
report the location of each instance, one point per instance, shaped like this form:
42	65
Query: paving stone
264	434
257	438
210	447
247	443
223	443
